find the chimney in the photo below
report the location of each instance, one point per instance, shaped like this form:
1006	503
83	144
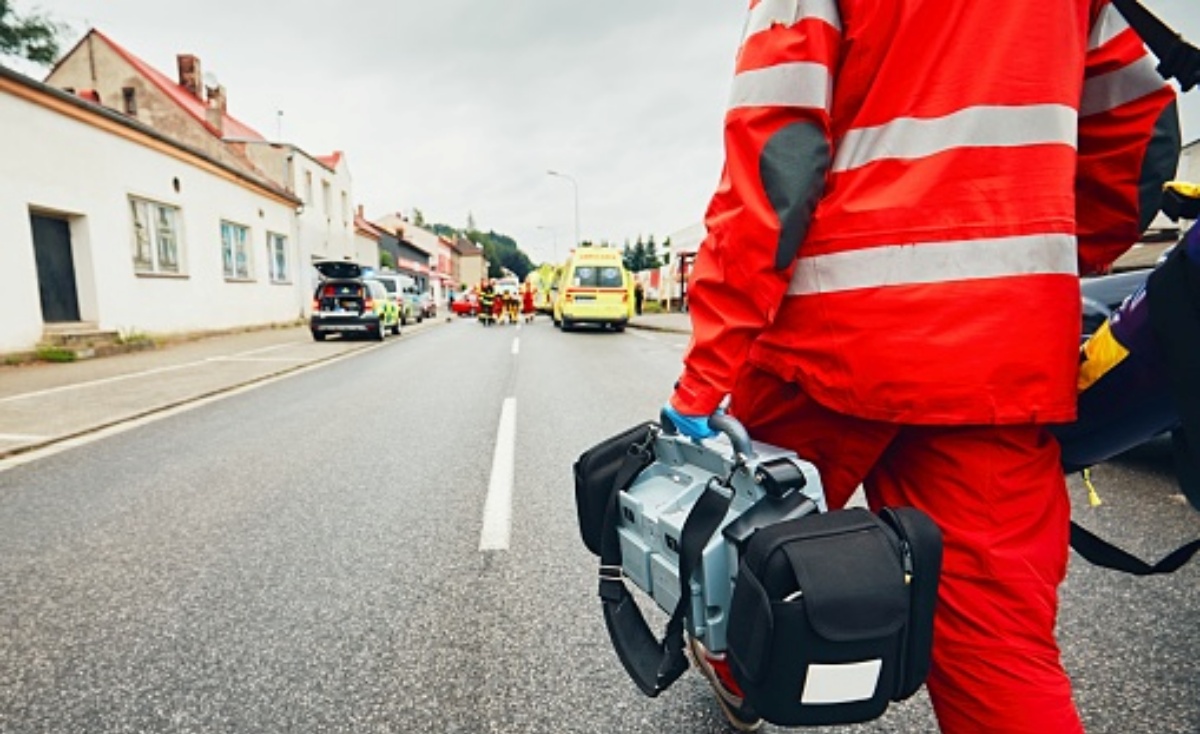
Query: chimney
216	97
189	73
215	117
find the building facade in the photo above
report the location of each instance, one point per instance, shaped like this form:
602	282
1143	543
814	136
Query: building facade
158	237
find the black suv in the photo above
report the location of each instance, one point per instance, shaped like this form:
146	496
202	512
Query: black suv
347	303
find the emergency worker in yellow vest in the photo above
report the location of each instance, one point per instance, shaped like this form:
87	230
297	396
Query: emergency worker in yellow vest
889	287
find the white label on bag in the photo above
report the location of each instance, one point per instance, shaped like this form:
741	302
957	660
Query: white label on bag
844	683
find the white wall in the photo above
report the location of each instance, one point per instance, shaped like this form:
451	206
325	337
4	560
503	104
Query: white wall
326	232
51	162
1189	163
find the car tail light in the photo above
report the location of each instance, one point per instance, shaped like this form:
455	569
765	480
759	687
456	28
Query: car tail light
369	305
329	290
625	297
316	304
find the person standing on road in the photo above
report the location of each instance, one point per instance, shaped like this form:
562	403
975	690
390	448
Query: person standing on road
889	287
639	294
487	297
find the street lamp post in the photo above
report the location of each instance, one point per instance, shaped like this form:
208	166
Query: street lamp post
575	184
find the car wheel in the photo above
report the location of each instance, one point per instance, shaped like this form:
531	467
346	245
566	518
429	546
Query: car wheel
319	336
396	328
380	332
567	325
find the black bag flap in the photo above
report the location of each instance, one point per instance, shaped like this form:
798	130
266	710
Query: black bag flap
850	575
596	473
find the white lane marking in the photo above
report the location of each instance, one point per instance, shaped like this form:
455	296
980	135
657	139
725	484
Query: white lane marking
93	435
516	346
271	348
143	373
102	381
497	510
235	358
21	437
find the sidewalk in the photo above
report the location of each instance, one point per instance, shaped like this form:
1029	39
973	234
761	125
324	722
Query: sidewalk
42	403
678	323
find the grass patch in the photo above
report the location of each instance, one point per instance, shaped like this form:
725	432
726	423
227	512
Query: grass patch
56	354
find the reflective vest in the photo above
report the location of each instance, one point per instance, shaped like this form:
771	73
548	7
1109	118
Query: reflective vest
964	162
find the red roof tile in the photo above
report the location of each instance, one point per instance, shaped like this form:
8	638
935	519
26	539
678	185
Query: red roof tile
233	128
330	161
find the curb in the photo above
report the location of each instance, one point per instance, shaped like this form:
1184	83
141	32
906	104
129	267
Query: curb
658	328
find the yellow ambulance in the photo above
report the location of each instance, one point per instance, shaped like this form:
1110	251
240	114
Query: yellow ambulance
594	288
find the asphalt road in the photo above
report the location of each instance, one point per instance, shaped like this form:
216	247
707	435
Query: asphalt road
306	557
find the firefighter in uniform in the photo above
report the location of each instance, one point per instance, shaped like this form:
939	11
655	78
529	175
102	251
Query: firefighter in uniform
487	298
889	287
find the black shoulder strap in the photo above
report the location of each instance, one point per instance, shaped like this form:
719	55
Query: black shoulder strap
1174	298
1101	553
653	664
1177	58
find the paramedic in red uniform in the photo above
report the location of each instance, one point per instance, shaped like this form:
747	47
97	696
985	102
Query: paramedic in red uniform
889	287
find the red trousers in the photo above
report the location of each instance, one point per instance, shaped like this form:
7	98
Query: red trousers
999	496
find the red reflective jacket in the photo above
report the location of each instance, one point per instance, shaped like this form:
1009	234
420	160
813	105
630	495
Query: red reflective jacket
980	156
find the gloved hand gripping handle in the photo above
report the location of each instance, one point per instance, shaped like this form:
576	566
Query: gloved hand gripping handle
722	422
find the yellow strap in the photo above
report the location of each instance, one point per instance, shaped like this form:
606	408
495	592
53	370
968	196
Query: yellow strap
1093	496
1101	353
1183	188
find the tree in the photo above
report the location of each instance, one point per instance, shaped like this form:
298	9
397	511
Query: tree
639	256
34	37
417	217
385	259
651	260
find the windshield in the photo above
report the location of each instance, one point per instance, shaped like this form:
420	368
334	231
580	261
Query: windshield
588	276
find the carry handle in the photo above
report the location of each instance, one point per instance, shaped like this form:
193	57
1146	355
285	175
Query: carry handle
722	423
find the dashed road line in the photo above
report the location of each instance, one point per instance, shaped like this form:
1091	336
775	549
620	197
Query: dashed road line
497	509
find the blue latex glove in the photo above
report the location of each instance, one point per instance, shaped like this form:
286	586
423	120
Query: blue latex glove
694	427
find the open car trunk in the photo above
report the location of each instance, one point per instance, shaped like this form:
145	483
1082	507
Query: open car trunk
341	297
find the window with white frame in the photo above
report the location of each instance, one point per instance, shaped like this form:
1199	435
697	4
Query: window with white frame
327	199
156	243
235	250
277	256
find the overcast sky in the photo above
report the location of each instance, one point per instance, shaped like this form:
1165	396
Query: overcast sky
460	107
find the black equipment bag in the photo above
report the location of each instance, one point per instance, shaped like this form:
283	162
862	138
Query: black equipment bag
832	615
604	470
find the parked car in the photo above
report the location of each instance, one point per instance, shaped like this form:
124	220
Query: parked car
428	305
347	303
465	305
402	289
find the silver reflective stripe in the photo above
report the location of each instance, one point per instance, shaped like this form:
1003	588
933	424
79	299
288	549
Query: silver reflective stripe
1108	26
790	12
934	262
974	127
1110	91
800	84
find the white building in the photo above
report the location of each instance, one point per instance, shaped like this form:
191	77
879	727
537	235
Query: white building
110	224
326	220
